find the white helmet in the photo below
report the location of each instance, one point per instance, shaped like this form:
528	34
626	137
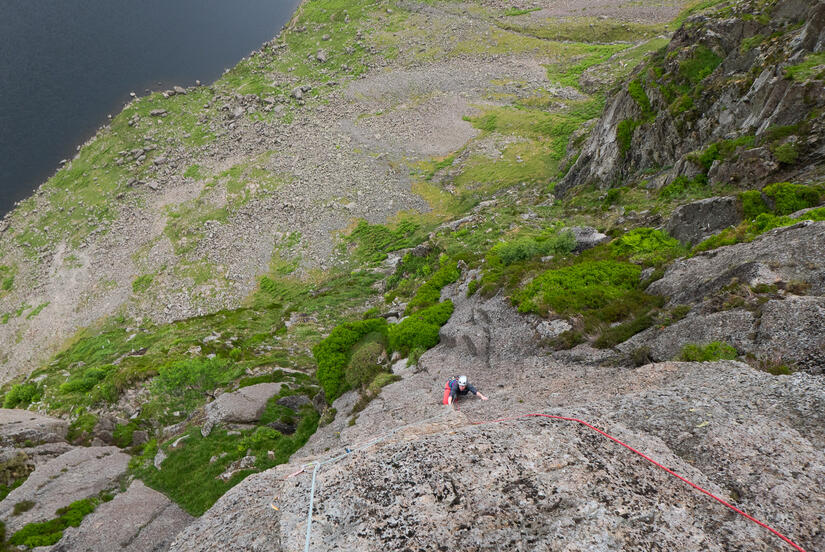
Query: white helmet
462	380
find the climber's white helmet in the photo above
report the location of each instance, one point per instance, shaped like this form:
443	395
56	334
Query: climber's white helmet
462	380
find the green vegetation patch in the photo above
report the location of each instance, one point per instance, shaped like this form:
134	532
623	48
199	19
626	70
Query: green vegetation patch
787	198
715	350
648	245
7	274
49	532
701	63
22	394
624	134
419	331
583	287
683	187
810	68
142	283
191	479
430	292
749	230
333	353
637	92
371	242
722	150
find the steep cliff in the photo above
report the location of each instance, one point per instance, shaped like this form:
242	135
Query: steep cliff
736	98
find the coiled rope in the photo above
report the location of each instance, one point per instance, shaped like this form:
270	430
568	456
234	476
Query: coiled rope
519	418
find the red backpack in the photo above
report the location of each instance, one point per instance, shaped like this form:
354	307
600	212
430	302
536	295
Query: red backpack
447	390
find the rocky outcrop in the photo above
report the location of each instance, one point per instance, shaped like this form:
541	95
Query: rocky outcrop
734	327
719	78
22	427
138	520
793	254
79	473
693	222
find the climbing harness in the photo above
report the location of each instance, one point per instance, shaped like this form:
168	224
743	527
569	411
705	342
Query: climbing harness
521	417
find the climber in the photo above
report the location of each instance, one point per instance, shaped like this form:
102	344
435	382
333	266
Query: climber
456	387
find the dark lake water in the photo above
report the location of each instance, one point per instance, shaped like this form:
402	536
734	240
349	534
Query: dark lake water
66	64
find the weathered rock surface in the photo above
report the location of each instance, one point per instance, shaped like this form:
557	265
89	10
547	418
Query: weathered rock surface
790	254
20	426
242	406
693	222
792	331
735	327
77	474
138	520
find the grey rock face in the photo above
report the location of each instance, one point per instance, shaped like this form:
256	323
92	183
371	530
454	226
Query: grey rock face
735	327
251	525
72	476
535	484
792	331
139	520
19	426
242	406
790	254
696	221
438	480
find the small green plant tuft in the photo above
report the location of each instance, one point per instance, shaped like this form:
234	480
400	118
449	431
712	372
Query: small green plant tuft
22	395
22	506
142	283
624	134
647	245
716	350
786	153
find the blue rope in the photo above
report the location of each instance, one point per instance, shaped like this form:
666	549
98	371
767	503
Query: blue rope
309	514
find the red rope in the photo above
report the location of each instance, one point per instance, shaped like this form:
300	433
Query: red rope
654	462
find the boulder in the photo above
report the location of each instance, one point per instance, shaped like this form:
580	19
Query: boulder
693	222
755	165
242	406
21	427
294	402
138	520
77	474
587	237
